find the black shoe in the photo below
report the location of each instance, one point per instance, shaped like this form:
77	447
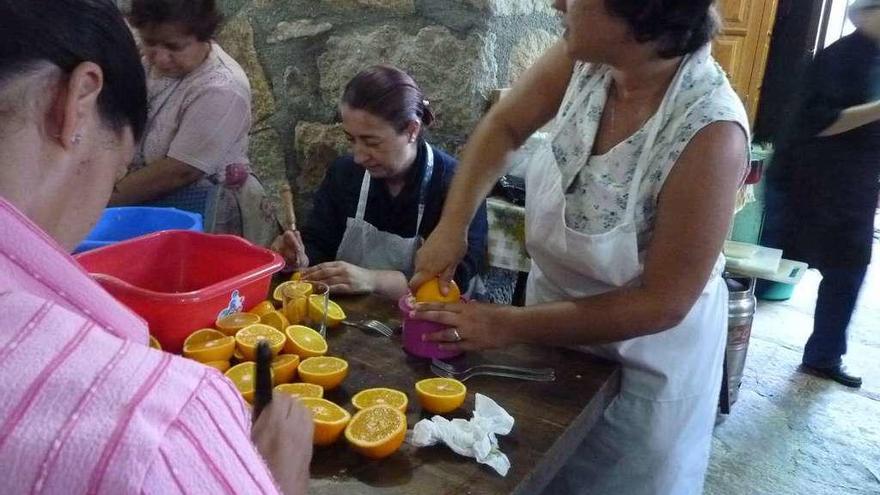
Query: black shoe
837	373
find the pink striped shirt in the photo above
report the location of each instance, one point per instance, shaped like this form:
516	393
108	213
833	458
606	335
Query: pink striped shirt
88	407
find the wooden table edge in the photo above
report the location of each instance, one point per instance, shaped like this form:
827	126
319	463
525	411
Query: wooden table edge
568	442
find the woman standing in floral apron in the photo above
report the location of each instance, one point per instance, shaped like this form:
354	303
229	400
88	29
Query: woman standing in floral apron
194	153
627	208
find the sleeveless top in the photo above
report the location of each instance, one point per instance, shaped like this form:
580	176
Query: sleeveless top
597	185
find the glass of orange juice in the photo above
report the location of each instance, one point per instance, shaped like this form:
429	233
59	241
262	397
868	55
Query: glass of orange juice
295	301
305	303
318	307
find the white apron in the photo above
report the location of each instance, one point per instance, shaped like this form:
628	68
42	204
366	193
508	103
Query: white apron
655	437
368	247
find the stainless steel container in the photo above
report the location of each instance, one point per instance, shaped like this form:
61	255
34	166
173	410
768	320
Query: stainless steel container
741	314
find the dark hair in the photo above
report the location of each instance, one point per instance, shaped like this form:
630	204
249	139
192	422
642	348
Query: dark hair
679	27
200	17
66	33
390	93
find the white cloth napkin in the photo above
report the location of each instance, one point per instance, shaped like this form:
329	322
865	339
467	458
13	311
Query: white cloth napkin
474	438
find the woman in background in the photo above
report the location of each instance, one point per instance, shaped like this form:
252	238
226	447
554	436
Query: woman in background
375	206
822	188
194	152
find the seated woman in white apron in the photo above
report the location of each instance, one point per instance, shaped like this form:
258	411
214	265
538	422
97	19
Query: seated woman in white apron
194	152
627	208
375	207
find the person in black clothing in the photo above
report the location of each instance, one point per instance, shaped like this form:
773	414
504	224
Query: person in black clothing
375	207
822	188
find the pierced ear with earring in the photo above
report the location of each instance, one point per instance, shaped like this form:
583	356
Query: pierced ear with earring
76	139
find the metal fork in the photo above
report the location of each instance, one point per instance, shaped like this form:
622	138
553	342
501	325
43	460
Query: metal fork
374	325
492	367
505	374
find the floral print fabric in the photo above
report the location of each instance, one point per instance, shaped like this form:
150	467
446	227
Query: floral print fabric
597	187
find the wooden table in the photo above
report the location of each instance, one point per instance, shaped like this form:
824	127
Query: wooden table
551	418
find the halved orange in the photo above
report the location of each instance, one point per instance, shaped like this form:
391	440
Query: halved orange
304	341
263	308
376	432
247	339
441	395
335	314
203	335
231	324
222	366
380	396
330	419
430	292
155	343
325	371
275	320
284	367
208	345
244	376
300	389
303	289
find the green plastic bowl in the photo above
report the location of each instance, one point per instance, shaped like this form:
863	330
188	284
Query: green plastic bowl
774	291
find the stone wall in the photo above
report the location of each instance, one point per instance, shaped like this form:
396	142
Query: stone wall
299	55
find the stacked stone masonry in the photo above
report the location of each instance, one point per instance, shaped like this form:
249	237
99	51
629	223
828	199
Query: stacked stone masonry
300	53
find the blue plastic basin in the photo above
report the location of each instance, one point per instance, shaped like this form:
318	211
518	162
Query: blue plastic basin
128	222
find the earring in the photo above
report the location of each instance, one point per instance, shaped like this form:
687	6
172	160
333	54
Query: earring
77	138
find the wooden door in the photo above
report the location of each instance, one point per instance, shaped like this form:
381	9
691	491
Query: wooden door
744	44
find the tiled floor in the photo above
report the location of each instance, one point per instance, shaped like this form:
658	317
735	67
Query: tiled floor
791	433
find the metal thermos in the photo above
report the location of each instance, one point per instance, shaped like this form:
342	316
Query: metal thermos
741	314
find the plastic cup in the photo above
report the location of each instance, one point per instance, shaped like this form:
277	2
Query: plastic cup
414	328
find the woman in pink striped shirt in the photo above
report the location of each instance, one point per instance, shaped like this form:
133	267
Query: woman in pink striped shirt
86	406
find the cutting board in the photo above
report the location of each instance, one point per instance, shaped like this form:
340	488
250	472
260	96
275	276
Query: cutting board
751	259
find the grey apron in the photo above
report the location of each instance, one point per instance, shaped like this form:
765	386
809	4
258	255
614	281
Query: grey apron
368	247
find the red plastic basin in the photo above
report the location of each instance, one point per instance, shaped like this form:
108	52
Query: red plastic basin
180	281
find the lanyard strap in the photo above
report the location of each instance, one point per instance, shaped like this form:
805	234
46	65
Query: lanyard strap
423	189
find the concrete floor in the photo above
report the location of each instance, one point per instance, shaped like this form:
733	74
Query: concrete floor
792	433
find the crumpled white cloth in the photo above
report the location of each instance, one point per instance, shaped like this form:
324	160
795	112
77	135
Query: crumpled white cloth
474	438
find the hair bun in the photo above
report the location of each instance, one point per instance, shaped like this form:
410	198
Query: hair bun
390	94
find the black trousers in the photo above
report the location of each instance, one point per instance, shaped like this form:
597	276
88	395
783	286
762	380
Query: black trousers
835	304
